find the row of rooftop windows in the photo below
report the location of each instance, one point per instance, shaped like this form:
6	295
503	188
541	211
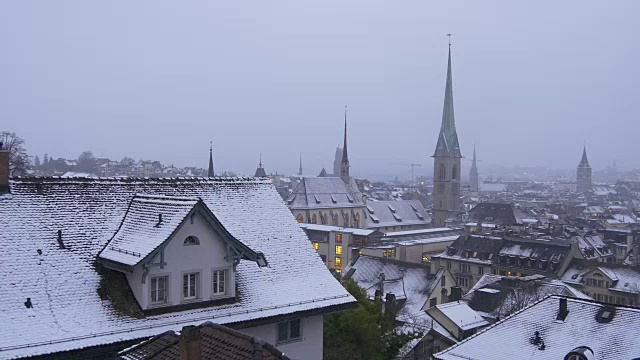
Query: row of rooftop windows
324	219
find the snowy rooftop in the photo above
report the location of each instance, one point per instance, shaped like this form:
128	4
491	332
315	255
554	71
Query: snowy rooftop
396	213
462	315
330	228
149	221
405	280
62	284
512	338
623	278
324	193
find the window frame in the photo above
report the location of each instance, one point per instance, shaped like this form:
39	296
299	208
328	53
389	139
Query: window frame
338	238
300	218
193	237
225	282
197	286
166	276
288	338
337	260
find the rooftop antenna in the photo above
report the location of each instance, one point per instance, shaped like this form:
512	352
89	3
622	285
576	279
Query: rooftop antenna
260	163
449	35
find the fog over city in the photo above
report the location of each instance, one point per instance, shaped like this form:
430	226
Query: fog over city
160	80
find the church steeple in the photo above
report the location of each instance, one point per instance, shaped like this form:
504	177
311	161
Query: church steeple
448	137
210	173
446	161
583	173
473	173
344	170
584	162
300	169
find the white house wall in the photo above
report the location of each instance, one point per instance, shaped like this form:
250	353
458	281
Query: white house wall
309	348
179	259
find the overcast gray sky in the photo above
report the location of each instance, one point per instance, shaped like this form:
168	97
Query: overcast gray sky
159	80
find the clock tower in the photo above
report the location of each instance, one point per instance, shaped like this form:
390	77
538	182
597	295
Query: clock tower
583	178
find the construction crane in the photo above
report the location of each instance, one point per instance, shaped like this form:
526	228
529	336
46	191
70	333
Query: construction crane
413	167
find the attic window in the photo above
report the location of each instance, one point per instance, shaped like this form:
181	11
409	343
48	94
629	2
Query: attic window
414	208
317	199
374	218
397	217
393	210
191	240
349	198
333	199
370	210
605	314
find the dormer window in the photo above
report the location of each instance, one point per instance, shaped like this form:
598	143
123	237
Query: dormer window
191	240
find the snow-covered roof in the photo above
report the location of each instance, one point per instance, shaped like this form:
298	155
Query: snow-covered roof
498	296
397	213
149	221
462	315
325	193
408	281
63	283
331	228
624	278
418	232
512	338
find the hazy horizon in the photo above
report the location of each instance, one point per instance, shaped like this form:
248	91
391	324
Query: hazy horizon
157	80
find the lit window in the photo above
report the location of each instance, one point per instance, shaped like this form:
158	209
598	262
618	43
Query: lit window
314	219
338	261
389	253
190	286
299	218
191	240
339	238
290	330
159	287
338	249
219	282
338	271
360	251
426	259
316	245
357	220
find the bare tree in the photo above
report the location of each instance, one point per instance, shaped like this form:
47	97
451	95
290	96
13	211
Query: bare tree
87	162
19	162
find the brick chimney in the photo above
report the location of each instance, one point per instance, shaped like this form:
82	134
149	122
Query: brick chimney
4	169
190	343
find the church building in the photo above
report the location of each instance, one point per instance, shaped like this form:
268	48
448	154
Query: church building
446	162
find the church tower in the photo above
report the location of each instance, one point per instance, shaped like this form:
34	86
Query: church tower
446	162
300	169
344	166
583	178
210	173
473	174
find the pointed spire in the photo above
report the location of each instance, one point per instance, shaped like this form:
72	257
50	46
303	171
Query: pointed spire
260	170
210	173
448	137
584	162
300	169
344	171
473	163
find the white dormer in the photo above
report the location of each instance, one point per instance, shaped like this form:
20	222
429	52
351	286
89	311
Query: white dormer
175	254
